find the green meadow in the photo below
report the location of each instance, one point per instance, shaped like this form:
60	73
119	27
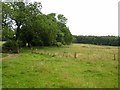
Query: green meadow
73	66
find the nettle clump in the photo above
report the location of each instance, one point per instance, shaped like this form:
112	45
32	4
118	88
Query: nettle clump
10	47
58	44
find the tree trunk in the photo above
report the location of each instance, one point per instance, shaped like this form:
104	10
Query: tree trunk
18	31
29	44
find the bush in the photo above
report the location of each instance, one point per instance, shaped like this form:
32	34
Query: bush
21	44
10	46
58	44
37	43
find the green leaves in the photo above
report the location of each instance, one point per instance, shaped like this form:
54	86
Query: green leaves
36	28
62	19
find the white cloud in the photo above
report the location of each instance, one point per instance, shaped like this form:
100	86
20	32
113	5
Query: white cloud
86	17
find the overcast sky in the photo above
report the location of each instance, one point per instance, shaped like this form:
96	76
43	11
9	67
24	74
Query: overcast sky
86	17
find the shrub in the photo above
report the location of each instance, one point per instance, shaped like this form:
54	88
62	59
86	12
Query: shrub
37	43
22	44
58	44
10	46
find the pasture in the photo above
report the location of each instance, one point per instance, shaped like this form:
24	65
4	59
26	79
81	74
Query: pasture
73	66
2	42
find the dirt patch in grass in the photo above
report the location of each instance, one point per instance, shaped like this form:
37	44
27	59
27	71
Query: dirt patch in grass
10	56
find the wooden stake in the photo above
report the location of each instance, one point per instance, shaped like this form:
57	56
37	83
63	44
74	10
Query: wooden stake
114	56
75	55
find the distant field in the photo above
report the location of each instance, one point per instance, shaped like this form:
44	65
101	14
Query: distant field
74	66
1	42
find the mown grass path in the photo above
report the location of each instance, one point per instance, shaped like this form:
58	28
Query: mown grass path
9	56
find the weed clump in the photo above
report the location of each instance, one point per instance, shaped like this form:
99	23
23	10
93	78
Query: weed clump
10	47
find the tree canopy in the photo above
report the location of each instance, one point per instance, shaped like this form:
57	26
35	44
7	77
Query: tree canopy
26	24
98	40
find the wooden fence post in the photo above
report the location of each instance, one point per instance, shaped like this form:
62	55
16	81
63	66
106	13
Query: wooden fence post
75	55
114	57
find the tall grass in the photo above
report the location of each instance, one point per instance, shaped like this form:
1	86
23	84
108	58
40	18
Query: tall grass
52	67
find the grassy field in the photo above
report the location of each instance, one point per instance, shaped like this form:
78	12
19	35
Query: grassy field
1	42
74	66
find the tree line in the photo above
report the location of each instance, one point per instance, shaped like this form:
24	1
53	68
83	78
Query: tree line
25	24
97	40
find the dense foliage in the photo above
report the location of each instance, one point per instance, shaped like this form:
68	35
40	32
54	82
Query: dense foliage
10	46
98	40
26	24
